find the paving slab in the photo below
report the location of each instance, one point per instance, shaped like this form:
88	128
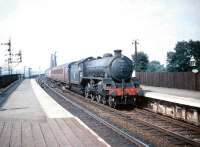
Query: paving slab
30	117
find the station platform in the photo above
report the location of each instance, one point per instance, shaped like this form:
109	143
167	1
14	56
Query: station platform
179	96
31	118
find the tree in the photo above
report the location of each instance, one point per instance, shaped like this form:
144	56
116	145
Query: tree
142	61
155	66
180	59
171	65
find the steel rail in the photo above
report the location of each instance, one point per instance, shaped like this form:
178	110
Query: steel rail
175	121
166	131
114	128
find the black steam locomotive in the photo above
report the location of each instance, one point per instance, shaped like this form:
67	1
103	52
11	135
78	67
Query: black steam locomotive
107	79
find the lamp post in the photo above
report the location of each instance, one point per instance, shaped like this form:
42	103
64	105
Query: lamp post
194	69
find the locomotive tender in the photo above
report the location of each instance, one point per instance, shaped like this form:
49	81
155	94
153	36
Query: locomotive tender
107	79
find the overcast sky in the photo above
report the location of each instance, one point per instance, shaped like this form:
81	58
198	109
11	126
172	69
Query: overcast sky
80	28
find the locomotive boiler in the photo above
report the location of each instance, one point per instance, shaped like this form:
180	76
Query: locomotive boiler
106	79
117	67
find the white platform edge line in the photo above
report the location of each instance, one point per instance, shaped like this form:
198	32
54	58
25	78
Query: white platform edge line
46	102
81	122
91	131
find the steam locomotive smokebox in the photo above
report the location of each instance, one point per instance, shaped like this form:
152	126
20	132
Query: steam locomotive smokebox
121	67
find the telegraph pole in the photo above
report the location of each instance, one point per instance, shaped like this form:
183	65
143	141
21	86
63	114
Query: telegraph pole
9	56
135	42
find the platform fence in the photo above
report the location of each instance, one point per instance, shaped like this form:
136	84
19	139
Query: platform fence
6	80
180	80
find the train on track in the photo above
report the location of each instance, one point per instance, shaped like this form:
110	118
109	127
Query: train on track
106	79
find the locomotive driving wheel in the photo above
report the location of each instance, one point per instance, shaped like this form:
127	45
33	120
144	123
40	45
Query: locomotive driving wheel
93	97
112	102
99	98
86	93
104	100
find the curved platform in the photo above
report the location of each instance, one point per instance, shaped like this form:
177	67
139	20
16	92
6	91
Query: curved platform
31	118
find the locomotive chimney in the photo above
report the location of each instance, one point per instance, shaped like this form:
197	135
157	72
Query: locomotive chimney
117	53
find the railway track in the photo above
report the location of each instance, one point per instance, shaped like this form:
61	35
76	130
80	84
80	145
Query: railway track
187	134
101	120
179	133
188	131
153	128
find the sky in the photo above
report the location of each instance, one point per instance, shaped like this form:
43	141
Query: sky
78	29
